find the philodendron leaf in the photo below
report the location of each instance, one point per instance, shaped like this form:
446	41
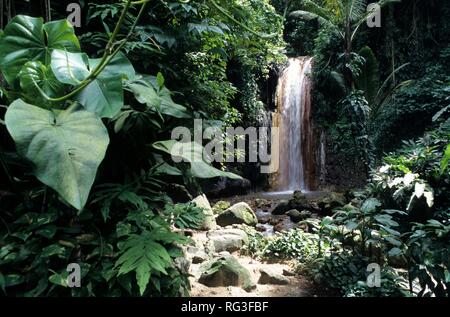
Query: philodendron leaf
104	95
36	77
66	147
26	38
192	152
119	65
70	68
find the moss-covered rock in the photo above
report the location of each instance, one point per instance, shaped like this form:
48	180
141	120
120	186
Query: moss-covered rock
209	222
220	207
240	213
226	271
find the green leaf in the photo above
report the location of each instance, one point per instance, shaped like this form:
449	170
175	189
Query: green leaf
370	205
36	77
70	68
103	96
445	159
192	152
351	225
47	232
59	279
66	147
160	101
54	249
13	280
2	283
395	252
386	220
145	255
393	241
160	80
28	39
119	65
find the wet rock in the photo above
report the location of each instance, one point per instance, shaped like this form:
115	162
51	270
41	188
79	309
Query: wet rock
270	276
297	216
281	208
299	201
333	200
263	204
182	264
227	239
226	271
220	207
240	213
210	222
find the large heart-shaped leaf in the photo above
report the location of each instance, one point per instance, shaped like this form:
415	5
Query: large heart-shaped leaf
70	68
29	39
192	152
66	147
119	65
36	77
104	95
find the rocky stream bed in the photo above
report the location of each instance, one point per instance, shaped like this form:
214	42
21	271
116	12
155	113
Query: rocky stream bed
215	259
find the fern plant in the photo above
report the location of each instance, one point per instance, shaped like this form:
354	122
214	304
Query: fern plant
147	255
185	216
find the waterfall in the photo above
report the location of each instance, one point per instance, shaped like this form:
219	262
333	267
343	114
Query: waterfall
297	144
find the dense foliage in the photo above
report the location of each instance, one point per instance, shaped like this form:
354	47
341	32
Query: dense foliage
90	118
86	116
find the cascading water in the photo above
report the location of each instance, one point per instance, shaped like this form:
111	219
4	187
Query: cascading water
297	145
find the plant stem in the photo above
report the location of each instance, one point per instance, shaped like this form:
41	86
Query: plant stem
108	54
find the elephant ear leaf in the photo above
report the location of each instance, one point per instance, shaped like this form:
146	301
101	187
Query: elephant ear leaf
104	94
35	78
66	147
26	38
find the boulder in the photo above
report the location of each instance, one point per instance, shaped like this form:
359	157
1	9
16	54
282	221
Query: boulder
210	222
299	201
226	271
270	276
297	216
220	207
281	208
330	202
240	213
196	254
227	240
263	204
